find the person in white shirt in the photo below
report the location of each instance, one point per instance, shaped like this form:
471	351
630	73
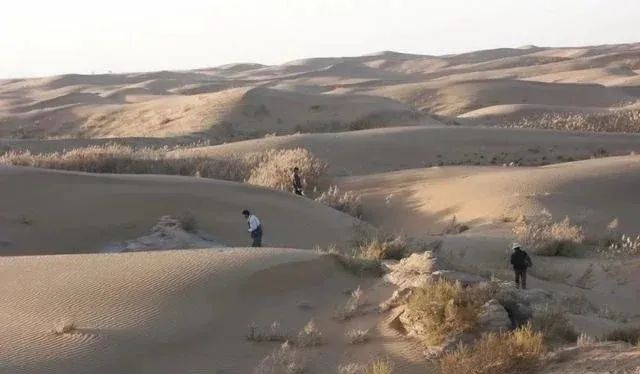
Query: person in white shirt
255	228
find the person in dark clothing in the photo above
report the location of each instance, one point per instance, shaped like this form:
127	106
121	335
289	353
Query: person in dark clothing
520	261
297	181
255	228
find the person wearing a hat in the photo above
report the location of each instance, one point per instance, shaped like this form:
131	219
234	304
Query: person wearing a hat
520	261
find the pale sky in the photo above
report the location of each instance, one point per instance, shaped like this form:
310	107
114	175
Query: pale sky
45	37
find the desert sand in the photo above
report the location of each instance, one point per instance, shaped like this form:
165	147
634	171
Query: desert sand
422	140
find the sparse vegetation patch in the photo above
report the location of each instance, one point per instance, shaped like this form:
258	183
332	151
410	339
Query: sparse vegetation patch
519	351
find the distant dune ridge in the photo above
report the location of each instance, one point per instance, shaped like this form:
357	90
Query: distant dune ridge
323	94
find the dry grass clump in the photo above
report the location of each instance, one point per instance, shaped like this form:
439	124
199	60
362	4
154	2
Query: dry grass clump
518	351
585	340
377	245
622	246
284	360
349	202
377	366
271	168
187	221
445	308
354	262
352	368
553	324
310	336
272	334
629	335
275	167
357	336
454	227
353	306
64	327
627	121
547	238
380	366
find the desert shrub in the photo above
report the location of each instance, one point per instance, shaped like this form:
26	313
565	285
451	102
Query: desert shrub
272	334
309	336
614	121
275	167
63	327
270	168
621	246
353	263
372	244
630	335
353	306
454	227
547	238
445	308
357	336
377	366
585	340
518	351
349	202
553	324
380	366
352	368
187	221
284	360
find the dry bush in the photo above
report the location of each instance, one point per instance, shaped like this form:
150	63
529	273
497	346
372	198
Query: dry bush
284	360
349	202
310	336
627	121
275	168
622	246
454	227
629	334
380	366
377	366
585	340
553	324
270	168
187	221
357	336
272	334
547	238
63	327
353	306
445	308
518	351
352	368
354	263
373	244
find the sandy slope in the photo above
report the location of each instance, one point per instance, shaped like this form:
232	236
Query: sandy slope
58	212
423	200
317	94
600	294
166	312
380	150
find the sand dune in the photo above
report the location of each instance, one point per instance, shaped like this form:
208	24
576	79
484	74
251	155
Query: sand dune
413	147
422	201
176	311
596	78
78	212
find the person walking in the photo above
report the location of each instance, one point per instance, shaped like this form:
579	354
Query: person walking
520	261
297	181
255	228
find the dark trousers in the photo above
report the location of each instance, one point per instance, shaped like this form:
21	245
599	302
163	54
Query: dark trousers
297	192
257	237
521	278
